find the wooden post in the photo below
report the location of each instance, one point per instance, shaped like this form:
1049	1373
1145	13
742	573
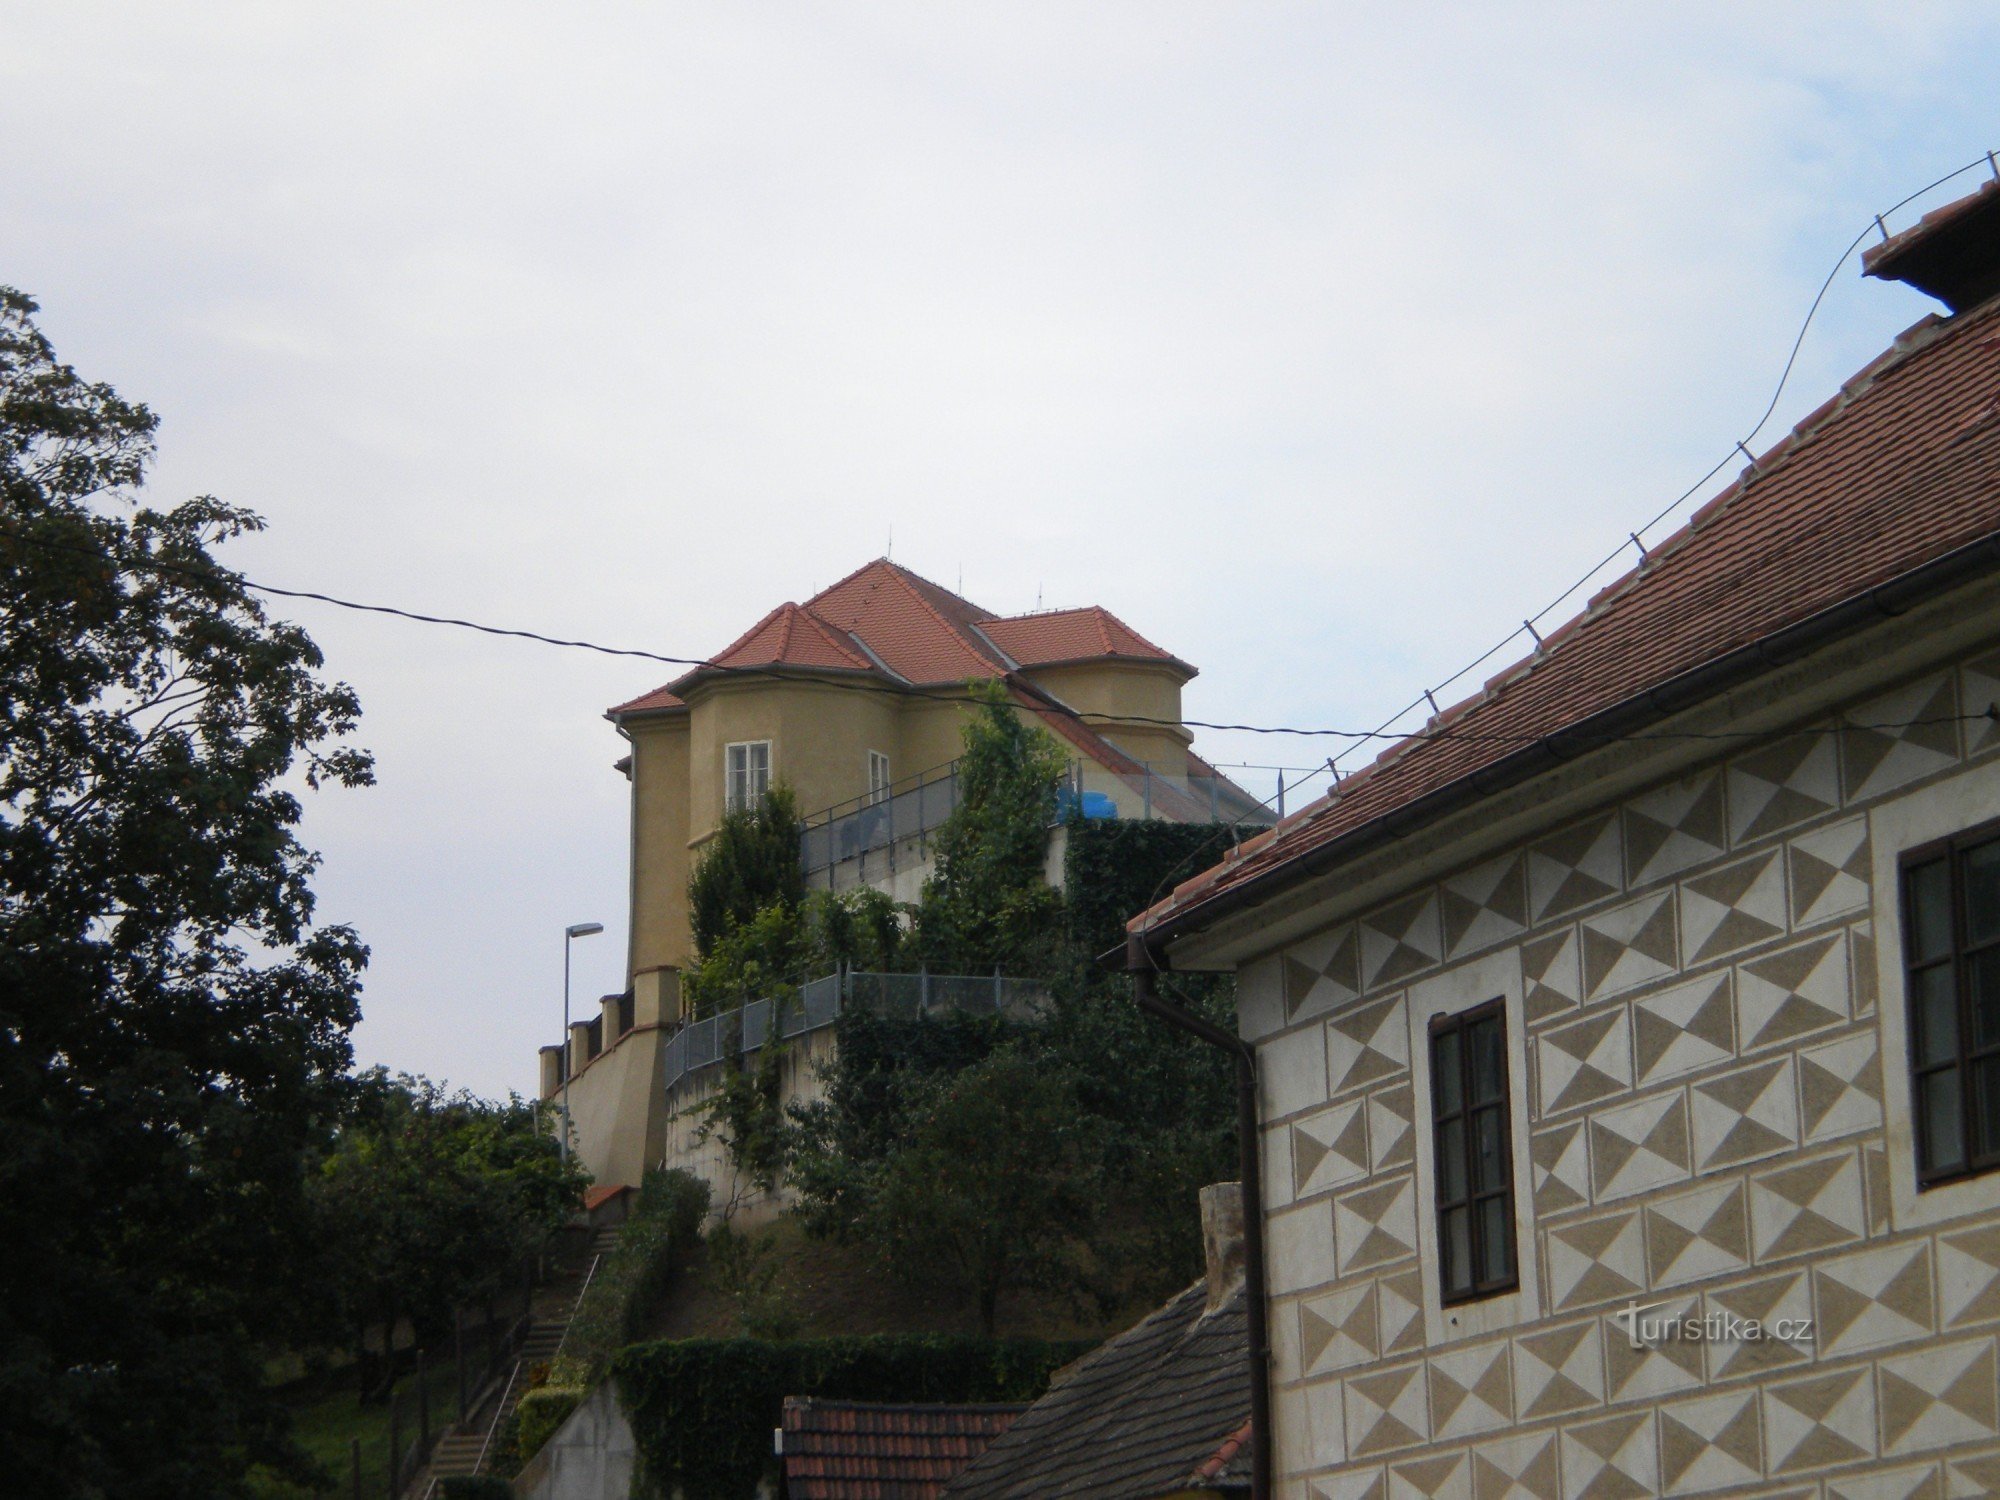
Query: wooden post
458	1347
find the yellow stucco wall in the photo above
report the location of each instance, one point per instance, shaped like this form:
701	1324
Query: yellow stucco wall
617	1108
659	931
1106	692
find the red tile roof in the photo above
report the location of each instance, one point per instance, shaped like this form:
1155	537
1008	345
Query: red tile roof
1071	635
1899	469
859	1450
923	633
793	637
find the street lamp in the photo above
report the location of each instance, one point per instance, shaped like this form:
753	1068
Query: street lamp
570	935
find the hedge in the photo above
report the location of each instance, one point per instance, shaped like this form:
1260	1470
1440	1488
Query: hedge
1115	868
702	1410
541	1411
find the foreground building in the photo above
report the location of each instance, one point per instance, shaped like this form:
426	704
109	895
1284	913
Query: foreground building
856	700
1629	1040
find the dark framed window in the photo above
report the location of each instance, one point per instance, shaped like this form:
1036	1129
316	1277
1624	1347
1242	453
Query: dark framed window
1473	1137
1951	968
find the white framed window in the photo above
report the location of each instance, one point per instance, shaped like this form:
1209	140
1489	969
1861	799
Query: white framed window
878	776
746	774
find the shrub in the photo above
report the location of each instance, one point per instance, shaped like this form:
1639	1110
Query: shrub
751	864
474	1487
664	1226
702	1410
542	1411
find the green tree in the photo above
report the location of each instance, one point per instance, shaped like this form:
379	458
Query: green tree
430	1199
750	865
996	1190
989	905
173	1028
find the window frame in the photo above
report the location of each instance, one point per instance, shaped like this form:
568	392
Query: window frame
1951	849
751	798
878	789
1472	1196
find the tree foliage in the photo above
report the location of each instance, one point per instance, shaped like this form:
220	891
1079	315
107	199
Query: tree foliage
989	904
172	1023
430	1198
751	864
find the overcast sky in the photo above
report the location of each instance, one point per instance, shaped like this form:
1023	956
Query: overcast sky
1322	343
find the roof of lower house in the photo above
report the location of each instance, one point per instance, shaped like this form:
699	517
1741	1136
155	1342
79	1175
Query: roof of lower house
882	618
1899	471
1163	1409
863	1450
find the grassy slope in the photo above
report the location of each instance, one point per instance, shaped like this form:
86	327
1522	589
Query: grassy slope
327	1422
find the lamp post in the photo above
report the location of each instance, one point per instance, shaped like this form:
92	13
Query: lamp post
570	935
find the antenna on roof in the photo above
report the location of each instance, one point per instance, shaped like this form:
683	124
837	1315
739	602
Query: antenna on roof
891	552
1038	596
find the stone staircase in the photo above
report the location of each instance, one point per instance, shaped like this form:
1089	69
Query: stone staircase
467	1448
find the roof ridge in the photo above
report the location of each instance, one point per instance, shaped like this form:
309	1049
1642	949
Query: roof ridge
903	577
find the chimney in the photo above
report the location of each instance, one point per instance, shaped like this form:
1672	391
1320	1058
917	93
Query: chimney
1953	254
1222	1240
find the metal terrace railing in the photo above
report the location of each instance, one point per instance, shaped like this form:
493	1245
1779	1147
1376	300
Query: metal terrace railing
740	1032
914	808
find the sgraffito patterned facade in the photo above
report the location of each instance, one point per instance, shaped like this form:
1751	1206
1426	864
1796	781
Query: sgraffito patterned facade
1710	1102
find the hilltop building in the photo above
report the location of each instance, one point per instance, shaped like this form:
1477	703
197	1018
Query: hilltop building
856	700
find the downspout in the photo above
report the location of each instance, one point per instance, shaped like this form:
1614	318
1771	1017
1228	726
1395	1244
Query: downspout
1142	964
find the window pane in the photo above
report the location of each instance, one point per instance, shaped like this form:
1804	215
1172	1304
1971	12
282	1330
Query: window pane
1930	911
1496	1240
1486	1148
1489	1061
1986	1107
1445	1077
1451	1161
1980	871
1934	1015
1985	979
1455	1248
1938	1109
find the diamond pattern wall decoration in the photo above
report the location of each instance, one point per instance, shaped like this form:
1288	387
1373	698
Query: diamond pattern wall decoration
1375	1225
1339	1330
1787	1295
1940	1396
1629	945
1524	1467
1399	940
1554	979
1596	1261
1400	1316
1875	1180
1648	1373
1743	1115
1561	1167
1559	1370
1787	994
1573	868
1820	1421
1639	1146
1329	1149
1446	1477
1969	1276
1861	967
1386	1410
1873	1299
1787	782
1710	1443
1611	1459
1391	1142
1698	1234
1840	1087
1683	1027
1920	1482
1673	828
1808	1205
1323	972
1923	741
1979	690
1364	1484
1831	872
1974	1478
1472	1390
1368	1043
1734	907
1484	905
1584	1061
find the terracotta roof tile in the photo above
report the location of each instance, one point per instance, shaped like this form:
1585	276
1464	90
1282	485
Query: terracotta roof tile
1899	469
1067	635
793	637
922	632
861	1450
